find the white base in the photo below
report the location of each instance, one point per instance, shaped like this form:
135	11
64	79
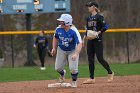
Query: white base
59	85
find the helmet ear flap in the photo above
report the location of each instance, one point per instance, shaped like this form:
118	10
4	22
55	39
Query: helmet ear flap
62	23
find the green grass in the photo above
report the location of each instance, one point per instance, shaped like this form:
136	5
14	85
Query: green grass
34	73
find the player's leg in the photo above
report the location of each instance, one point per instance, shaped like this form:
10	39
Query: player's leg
91	54
91	58
73	65
40	56
99	54
61	58
43	54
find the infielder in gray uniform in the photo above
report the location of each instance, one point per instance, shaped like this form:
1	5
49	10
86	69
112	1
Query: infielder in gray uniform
67	41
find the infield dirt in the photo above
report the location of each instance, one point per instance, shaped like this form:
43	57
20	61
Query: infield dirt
121	84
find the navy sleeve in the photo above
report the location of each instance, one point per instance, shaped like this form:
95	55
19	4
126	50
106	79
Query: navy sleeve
36	41
86	28
103	24
46	41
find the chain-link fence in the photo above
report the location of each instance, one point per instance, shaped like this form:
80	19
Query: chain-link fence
121	47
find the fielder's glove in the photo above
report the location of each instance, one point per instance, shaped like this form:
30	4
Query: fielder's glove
92	34
48	51
49	54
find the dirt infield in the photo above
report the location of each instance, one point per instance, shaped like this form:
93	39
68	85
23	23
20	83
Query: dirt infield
121	84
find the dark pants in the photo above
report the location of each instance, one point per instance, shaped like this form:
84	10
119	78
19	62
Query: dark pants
42	54
96	47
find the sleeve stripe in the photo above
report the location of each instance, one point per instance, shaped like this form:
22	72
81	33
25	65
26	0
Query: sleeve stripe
77	32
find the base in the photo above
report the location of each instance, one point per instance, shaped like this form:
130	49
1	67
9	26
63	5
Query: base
59	85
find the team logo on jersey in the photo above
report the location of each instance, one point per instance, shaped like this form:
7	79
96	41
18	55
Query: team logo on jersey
95	23
59	33
92	23
41	41
65	41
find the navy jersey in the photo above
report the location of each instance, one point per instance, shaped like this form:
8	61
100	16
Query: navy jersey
96	23
41	42
67	40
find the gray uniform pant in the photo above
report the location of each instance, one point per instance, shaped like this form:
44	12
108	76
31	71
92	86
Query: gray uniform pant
62	57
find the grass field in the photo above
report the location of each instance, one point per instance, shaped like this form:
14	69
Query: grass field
34	73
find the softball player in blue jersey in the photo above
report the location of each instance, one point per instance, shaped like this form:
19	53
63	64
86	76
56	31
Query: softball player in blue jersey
67	41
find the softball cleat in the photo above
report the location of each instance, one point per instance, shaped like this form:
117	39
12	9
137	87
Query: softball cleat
42	68
110	77
62	78
89	81
74	84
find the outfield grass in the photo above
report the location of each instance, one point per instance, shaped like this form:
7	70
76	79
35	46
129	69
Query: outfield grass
34	73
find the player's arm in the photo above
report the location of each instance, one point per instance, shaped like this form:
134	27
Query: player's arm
77	51
36	42
46	41
47	44
54	43
54	46
85	35
83	40
78	48
103	24
47	47
78	40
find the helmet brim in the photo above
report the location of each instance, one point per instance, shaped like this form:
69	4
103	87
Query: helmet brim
60	19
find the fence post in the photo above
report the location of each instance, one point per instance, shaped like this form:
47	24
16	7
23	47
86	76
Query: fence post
12	48
127	46
29	42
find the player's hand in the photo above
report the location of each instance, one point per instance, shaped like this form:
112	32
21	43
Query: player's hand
97	34
53	52
74	56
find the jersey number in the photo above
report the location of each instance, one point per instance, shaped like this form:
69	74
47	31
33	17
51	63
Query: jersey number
65	43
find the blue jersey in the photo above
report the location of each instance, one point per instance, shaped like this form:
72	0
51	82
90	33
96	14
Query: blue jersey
67	40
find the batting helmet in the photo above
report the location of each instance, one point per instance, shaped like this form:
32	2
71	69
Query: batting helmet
66	18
